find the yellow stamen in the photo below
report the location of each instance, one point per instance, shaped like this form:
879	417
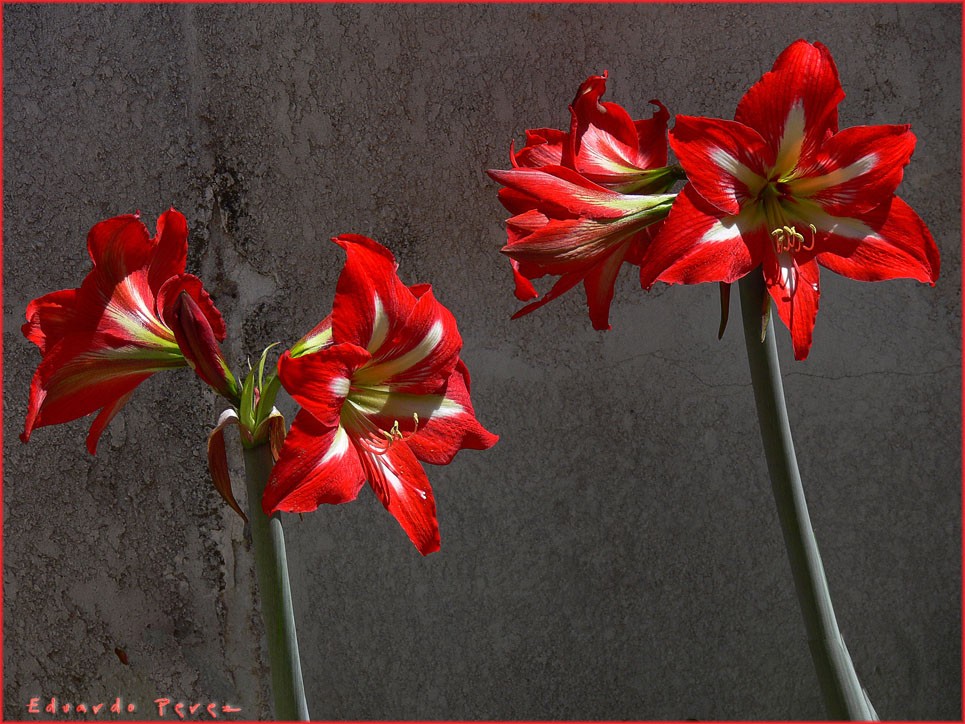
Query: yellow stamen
788	238
396	434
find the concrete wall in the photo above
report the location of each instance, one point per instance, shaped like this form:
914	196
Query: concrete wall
617	554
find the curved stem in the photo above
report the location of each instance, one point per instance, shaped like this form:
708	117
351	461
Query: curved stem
271	564
843	695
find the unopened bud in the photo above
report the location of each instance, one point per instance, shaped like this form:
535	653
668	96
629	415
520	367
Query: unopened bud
200	347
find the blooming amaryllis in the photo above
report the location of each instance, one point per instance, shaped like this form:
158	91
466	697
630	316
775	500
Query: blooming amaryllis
381	387
586	200
122	324
781	187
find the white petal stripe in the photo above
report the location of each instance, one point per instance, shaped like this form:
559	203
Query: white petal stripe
736	169
792	140
338	447
380	325
406	361
810	186
379	401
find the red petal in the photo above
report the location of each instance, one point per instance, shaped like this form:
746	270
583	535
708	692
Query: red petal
560	189
898	247
170	250
606	144
599	284
81	375
587	110
401	484
317	464
794	106
562	285
107	414
698	243
856	169
524	289
119	246
370	300
447	421
726	162
796	300
319	381
50	317
544	147
420	355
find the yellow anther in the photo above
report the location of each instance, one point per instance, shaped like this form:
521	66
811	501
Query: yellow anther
788	238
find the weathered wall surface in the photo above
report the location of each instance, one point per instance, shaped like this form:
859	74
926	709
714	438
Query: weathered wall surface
617	554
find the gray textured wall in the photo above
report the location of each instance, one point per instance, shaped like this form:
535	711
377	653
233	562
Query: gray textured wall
617	554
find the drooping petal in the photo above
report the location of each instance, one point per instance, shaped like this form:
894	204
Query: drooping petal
794	105
698	243
318	464
726	162
857	169
599	283
370	300
401	484
795	291
218	461
320	381
108	413
890	242
420	355
524	289
81	375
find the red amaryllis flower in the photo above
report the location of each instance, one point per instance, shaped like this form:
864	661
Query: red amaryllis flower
585	201
781	187
381	387
102	340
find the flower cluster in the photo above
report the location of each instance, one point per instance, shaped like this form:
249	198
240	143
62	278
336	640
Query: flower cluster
780	187
380	380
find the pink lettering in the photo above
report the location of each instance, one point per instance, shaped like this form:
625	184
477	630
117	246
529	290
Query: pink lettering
33	707
161	705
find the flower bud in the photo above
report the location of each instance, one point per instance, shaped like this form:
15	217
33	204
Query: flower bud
200	347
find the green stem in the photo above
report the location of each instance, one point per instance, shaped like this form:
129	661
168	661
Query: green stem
276	598
843	695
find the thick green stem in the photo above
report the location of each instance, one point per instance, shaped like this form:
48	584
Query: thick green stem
843	695
276	598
